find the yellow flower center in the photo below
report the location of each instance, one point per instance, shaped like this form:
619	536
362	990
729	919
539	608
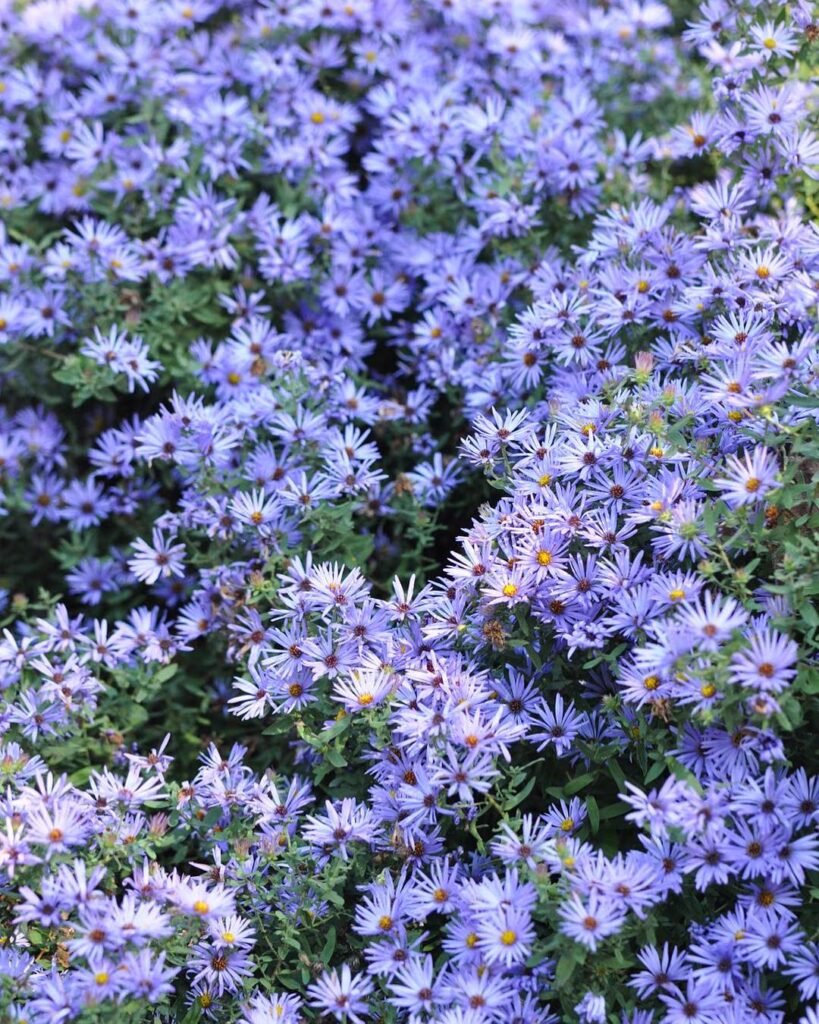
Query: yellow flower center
763	272
101	977
651	682
544	480
567	824
228	937
752	485
201	907
708	690
544	557
317	117
385	923
508	938
509	590
642	287
769	43
365	698
677	594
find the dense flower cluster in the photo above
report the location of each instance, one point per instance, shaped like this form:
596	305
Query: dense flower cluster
407	459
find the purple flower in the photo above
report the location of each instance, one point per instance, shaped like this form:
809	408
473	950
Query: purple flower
342	824
344	995
162	558
589	922
749	479
767	664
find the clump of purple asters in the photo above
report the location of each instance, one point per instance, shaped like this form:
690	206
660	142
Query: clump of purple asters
408	446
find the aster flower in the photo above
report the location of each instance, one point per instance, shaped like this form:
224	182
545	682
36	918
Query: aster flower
344	995
398	243
273	1008
769	940
803	968
505	937
531	846
591	1009
340	826
14	849
58	829
767	664
698	1003
232	931
256	510
145	976
506	586
435	891
471	987
363	689
162	558
773	40
221	967
662	969
711	620
414	989
203	901
589	922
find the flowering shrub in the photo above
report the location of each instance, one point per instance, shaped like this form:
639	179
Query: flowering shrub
408	449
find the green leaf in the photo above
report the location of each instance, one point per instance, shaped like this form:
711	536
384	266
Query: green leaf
166	672
335	757
329	946
518	798
566	965
654	772
616	773
613	811
594	814
578	783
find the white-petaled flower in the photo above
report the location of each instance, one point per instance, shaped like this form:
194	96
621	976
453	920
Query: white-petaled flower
363	689
749	478
162	558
